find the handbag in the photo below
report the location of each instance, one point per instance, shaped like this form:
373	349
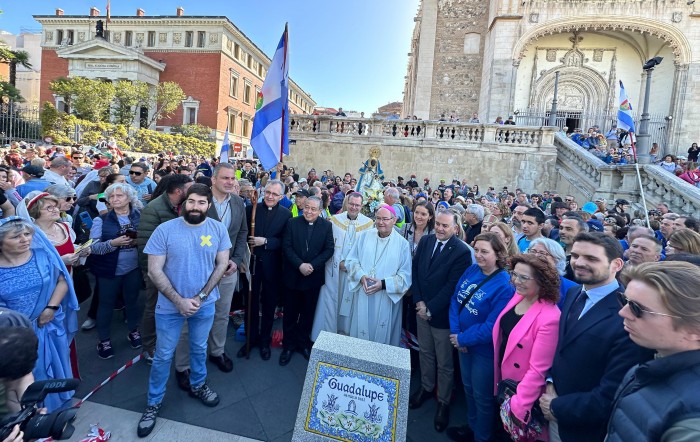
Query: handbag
519	431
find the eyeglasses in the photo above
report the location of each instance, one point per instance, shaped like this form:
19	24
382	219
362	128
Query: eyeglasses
384	220
51	208
71	198
539	253
133	172
268	193
519	277
637	309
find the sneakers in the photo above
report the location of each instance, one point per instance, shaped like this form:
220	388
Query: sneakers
105	350
148	420
205	394
135	339
89	324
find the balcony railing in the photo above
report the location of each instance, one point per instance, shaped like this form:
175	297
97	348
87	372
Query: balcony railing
421	130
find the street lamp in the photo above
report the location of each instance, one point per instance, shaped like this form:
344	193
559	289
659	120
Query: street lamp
553	112
643	137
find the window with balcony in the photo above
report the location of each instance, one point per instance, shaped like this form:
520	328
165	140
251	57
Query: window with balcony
189	37
201	39
128	38
151	38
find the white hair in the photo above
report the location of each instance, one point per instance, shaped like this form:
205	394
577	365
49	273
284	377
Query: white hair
555	250
128	190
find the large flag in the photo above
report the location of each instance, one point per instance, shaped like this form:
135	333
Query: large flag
624	114
270	137
225	148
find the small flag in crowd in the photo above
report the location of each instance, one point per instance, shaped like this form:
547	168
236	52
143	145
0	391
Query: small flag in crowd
225	148
624	114
270	137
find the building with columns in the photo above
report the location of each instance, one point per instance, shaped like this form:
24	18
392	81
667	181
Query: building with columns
218	67
500	58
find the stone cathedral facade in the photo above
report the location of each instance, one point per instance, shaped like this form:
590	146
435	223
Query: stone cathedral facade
500	58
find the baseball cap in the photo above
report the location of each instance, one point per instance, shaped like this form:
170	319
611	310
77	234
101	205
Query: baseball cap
590	207
595	226
33	171
302	192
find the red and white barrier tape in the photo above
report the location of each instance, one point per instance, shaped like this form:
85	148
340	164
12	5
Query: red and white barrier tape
112	376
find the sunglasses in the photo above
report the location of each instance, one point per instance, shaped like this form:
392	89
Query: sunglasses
133	172
637	309
71	198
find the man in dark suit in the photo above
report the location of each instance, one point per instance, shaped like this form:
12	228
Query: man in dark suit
438	263
594	351
270	222
229	209
307	245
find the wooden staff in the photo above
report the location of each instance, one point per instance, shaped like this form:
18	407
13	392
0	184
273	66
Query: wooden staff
251	268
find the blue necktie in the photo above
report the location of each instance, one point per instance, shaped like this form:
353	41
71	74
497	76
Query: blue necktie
576	310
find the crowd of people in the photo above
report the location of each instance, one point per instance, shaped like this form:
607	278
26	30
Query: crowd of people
551	309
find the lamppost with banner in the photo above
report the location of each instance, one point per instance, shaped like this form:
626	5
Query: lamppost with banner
643	137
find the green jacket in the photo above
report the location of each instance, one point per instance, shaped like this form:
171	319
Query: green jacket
154	214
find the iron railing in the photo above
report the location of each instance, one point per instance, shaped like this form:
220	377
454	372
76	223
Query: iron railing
19	123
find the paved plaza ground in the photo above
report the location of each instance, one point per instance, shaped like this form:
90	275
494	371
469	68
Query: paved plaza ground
259	399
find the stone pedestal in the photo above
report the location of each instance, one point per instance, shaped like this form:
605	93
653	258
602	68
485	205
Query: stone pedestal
354	390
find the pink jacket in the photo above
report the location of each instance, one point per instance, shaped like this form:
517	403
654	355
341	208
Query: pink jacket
529	353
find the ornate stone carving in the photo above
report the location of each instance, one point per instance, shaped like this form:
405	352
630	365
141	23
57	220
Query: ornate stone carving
48	35
117	36
551	55
229	44
177	38
139	37
81	36
534	17
673	37
598	55
676	17
213	37
163	37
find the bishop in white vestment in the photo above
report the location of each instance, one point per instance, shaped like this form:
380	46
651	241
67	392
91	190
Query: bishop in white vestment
379	274
346	227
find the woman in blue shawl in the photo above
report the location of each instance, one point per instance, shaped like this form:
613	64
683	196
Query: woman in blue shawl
35	282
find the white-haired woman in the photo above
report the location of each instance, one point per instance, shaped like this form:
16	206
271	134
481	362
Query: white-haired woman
114	262
66	200
554	253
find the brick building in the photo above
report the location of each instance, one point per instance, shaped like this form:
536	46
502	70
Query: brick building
218	67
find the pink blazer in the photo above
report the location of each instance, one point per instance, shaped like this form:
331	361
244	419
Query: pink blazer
529	353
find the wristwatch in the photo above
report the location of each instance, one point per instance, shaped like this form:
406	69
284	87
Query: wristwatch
202	296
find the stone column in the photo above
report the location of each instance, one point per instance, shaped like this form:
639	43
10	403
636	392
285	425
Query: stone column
680	83
425	62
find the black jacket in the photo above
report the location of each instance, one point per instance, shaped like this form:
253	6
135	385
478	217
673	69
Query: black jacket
269	224
301	248
589	363
435	283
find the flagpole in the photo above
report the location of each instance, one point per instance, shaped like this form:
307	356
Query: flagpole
639	180
286	44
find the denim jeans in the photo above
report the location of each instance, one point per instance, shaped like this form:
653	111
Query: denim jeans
168	328
477	377
129	285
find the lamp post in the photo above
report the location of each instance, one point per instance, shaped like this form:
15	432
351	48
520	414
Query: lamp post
553	112
643	137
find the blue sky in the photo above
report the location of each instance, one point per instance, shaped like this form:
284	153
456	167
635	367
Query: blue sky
347	54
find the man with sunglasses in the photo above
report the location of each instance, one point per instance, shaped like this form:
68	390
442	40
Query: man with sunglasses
139	180
594	352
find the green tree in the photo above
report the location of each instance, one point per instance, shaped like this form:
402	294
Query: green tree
127	96
9	92
198	131
19	58
165	101
88	99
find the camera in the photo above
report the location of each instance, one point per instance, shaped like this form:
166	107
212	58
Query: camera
654	212
57	425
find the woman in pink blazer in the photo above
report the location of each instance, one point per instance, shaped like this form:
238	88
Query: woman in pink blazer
526	332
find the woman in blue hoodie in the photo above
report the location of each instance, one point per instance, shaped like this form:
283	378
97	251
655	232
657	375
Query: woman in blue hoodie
480	295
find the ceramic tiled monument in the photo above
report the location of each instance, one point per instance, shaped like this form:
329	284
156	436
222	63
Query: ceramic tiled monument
355	390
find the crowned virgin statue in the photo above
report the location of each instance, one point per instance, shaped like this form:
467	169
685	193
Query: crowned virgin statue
370	183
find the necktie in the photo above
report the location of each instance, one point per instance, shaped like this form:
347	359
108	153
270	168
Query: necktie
576	310
437	251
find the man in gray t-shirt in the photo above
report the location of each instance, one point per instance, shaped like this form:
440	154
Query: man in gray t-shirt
187	257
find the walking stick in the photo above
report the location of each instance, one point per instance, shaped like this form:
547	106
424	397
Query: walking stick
251	271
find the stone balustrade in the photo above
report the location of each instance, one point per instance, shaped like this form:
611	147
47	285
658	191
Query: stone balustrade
585	176
440	131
